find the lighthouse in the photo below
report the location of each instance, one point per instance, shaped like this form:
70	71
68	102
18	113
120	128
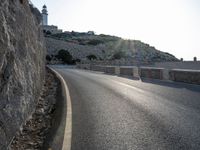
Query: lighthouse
44	15
48	29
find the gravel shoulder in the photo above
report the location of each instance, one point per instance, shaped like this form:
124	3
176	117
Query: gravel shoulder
44	129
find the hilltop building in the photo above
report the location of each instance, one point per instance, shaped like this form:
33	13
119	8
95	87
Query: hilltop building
90	33
44	15
48	29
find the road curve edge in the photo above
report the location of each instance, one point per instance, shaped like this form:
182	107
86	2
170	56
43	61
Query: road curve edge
68	128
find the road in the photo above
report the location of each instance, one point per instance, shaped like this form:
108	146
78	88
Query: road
115	113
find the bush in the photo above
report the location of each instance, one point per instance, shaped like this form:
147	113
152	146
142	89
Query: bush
48	32
48	58
91	57
77	60
95	42
65	56
118	55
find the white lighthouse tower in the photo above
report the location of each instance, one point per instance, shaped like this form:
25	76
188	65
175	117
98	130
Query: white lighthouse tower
44	15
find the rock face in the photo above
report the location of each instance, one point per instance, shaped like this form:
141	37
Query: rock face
22	54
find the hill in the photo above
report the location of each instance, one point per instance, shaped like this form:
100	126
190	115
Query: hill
104	47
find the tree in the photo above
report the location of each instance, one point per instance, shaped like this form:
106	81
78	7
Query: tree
77	60
48	58
118	55
65	56
48	32
91	57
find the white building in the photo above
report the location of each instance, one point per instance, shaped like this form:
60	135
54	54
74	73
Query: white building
91	33
47	28
44	15
51	29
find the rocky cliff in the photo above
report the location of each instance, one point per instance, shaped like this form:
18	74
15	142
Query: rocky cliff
22	65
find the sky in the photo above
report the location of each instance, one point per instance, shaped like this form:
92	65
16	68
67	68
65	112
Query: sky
171	26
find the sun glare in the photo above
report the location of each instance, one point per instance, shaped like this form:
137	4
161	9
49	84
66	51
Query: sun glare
170	25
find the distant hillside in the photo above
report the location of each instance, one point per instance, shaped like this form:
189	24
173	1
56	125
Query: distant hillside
104	47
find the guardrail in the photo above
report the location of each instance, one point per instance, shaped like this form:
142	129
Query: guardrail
178	75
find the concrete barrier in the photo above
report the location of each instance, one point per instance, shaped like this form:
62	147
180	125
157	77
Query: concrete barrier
109	69
179	75
153	73
97	68
126	71
165	74
136	73
187	76
117	70
84	66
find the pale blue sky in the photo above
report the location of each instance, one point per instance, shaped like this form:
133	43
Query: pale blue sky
170	25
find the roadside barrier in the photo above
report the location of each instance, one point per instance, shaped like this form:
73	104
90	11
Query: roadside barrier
178	75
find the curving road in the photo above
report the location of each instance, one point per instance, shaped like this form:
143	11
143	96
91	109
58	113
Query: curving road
115	113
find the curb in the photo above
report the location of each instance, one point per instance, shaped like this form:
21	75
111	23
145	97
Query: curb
68	124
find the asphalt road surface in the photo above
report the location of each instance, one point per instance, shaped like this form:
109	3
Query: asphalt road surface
115	113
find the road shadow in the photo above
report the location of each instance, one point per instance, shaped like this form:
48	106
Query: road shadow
55	137
129	77
192	87
173	84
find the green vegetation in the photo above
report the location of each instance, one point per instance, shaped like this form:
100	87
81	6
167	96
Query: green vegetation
91	57
84	38
48	33
118	55
48	58
95	42
65	56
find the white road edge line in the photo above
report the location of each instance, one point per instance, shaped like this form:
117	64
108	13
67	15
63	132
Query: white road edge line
68	126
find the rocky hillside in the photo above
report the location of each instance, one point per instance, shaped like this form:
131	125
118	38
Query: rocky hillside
104	47
76	50
22	54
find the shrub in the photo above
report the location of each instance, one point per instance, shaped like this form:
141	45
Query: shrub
77	60
48	58
95	42
118	55
65	56
91	57
48	32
